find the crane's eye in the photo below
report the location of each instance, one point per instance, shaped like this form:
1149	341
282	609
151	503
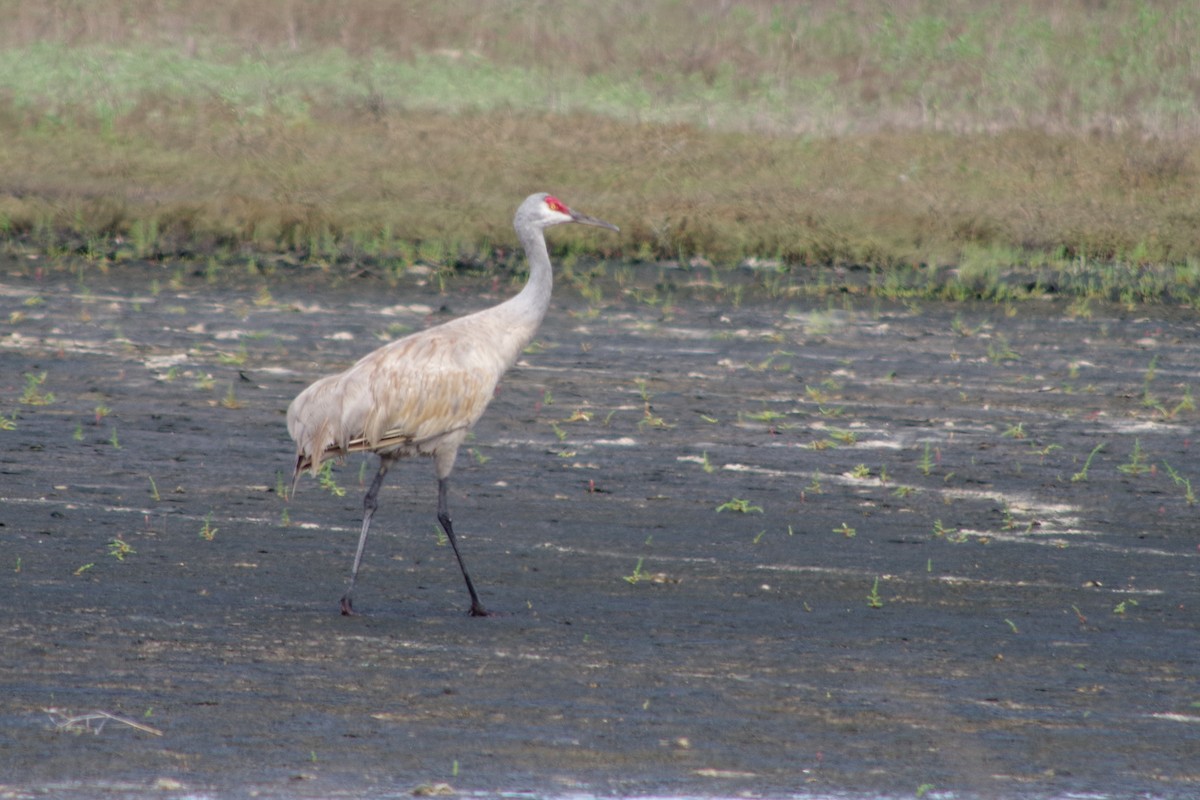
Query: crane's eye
554	204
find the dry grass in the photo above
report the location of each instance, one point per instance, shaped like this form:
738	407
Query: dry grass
831	133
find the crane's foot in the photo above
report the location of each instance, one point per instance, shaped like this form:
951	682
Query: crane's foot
347	608
478	610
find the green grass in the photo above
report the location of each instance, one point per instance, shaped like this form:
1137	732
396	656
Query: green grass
975	150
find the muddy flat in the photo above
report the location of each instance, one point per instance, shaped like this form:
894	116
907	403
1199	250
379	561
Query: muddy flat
743	544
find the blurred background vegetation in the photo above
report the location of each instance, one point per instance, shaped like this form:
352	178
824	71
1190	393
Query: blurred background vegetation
910	134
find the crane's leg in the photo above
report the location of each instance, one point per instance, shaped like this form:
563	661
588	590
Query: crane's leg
370	503
443	514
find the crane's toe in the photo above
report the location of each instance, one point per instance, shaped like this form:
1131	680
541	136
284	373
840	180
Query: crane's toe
347	608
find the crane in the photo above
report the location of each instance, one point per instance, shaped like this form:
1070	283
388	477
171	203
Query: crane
422	394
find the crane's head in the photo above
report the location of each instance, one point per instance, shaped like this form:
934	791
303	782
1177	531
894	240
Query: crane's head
544	210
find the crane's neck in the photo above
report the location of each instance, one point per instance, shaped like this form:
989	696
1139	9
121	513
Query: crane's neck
533	300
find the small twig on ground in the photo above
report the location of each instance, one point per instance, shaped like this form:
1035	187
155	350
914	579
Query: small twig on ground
83	722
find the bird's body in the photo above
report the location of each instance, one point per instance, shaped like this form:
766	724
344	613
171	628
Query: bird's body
422	394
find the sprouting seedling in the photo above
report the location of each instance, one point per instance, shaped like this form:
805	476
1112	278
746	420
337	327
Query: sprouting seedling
739	505
207	531
1148	399
846	437
706	465
154	489
326	480
78	434
1186	483
861	472
1137	461
873	598
559	432
1082	475
637	573
8	423
1123	606
1000	351
846	530
1015	431
118	548
33	395
230	399
101	411
479	457
926	463
547	398
951	534
1011	625
113	439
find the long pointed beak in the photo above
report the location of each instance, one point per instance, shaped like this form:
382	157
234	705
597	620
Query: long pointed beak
584	219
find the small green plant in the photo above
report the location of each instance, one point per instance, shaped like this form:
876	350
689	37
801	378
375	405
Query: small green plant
8	423
1015	432
926	462
843	436
873	598
118	548
207	531
327	482
1082	475
230	399
1011	625
233	359
846	530
740	506
950	534
1000	352
1123	606
113	440
1137	462
1186	483
83	569
705	464
1148	400
637	574
861	472
34	395
78	434
154	489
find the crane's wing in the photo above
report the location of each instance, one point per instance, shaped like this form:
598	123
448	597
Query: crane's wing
410	395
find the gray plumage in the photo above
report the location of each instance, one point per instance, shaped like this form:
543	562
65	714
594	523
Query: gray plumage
422	394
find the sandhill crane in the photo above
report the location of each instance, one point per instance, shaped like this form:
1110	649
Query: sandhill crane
420	395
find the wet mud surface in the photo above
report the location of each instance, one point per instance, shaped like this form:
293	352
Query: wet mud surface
917	582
